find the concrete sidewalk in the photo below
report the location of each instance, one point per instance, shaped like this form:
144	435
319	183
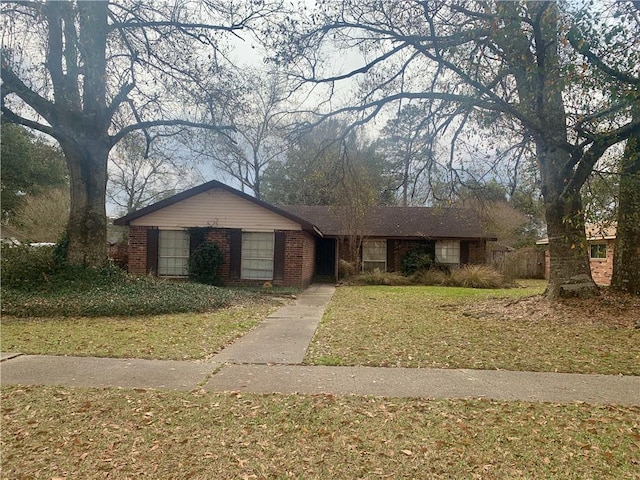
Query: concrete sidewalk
267	360
285	334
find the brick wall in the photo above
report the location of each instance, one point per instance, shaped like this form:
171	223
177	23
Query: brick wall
477	252
299	254
602	268
299	259
137	250
221	237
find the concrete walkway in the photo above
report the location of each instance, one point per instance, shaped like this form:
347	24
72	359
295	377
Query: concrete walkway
267	360
285	334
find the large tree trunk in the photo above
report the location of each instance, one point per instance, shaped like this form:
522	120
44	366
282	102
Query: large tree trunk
570	273
87	228
626	260
540	90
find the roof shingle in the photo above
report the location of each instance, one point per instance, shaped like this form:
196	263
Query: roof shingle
398	222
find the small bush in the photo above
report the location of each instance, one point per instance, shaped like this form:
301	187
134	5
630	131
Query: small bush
345	269
468	276
417	259
430	277
26	267
477	276
380	278
205	263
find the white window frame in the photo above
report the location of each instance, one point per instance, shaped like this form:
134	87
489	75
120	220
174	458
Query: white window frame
257	263
374	255
448	252
602	247
173	253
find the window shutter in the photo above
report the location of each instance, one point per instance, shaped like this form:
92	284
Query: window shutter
153	235
196	238
235	247
278	256
464	253
391	257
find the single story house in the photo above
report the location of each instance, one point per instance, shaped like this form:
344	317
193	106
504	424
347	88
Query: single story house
601	240
293	245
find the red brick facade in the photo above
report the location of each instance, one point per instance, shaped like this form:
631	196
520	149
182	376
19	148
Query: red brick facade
398	248
601	268
299	257
138	250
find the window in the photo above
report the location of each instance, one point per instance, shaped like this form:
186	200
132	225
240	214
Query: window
173	253
598	251
374	255
448	251
257	255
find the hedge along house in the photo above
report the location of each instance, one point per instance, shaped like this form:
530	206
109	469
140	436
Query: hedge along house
290	246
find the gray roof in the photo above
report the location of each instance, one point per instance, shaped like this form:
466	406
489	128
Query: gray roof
396	222
387	222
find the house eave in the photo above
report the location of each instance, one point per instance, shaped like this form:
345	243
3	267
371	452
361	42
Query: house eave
205	187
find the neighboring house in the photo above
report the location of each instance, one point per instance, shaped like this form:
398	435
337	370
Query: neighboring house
601	247
290	246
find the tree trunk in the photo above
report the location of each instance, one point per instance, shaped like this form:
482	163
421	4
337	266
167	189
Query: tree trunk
570	273
87	228
626	260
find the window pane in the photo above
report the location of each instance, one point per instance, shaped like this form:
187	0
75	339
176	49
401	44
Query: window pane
374	255
448	251
173	253
599	250
257	255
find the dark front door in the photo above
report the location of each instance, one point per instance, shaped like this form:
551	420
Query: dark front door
326	258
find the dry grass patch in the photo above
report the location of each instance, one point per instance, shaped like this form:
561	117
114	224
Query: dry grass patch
481	329
53	432
182	336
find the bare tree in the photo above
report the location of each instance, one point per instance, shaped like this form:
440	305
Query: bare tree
90	73
260	129
505	58
408	145
139	176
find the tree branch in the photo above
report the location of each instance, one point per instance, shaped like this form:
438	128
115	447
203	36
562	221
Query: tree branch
167	123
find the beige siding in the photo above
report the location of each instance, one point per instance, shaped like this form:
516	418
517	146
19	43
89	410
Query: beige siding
216	208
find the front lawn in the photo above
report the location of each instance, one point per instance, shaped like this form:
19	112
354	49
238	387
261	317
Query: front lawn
107	313
54	432
184	336
480	329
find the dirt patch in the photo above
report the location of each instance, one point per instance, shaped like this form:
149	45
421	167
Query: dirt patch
610	309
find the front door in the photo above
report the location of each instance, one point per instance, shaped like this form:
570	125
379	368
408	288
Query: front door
326	258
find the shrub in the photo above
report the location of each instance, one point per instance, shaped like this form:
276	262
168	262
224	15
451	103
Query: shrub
205	263
345	269
477	276
380	278
417	259
117	295
430	277
26	267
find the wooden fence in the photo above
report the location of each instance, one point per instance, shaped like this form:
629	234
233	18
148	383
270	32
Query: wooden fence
521	263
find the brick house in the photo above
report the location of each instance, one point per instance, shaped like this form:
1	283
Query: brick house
290	246
601	246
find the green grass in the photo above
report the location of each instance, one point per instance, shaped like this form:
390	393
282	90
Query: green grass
178	336
53	432
441	328
126	295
